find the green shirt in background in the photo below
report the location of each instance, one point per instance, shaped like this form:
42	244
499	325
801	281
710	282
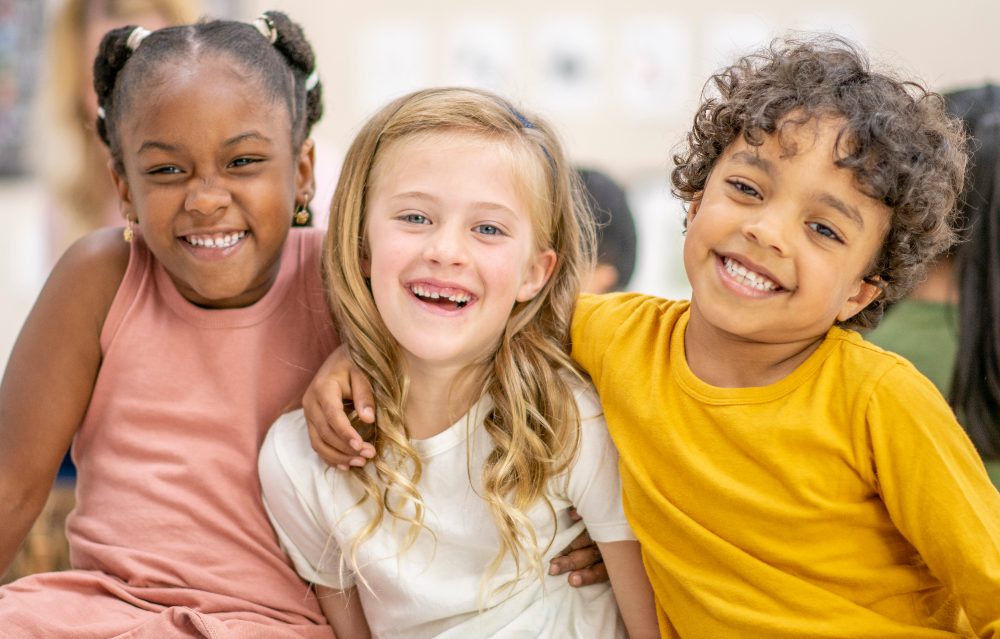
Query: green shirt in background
926	333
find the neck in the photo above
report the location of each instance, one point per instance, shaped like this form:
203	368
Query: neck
725	360
437	398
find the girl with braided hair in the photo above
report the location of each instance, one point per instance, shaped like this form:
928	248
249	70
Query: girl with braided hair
164	358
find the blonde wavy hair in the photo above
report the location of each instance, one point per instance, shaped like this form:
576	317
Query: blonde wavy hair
534	426
72	160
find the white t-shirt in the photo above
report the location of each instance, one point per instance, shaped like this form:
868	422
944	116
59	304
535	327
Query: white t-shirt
434	588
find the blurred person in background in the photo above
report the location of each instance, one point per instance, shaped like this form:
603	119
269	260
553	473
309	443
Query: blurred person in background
616	236
71	160
949	326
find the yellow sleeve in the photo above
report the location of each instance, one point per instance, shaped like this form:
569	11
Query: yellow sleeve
587	332
937	491
596	321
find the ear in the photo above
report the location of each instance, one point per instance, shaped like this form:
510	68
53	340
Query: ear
538	273
693	207
305	174
365	262
866	294
124	194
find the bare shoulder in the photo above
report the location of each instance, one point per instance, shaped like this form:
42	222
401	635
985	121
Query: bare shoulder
94	267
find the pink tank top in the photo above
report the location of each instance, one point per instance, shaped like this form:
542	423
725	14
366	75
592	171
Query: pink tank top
168	499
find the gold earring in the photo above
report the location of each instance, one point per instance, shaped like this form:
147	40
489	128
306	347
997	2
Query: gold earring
301	216
127	233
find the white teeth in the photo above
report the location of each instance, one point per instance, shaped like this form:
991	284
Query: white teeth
221	240
747	277
459	298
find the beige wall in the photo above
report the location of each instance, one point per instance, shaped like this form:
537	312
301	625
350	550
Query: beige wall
944	43
641	62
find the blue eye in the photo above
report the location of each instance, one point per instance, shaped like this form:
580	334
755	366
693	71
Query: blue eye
825	231
487	229
415	218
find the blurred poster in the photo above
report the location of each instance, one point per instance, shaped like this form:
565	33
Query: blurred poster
481	53
393	59
655	63
21	25
731	36
569	58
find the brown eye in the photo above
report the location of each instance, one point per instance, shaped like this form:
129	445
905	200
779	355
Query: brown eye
825	231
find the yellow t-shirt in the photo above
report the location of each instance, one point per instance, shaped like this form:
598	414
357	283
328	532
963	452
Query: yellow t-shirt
842	501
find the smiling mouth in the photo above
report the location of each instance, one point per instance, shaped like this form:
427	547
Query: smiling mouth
215	240
749	278
444	297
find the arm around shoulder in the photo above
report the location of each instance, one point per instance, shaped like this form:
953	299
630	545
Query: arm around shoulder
50	375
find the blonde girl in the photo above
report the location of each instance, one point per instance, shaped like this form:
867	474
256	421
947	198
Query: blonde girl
453	262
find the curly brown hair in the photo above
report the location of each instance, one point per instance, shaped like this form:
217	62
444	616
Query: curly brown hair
903	147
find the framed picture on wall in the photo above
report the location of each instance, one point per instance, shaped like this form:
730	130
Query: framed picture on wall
21	24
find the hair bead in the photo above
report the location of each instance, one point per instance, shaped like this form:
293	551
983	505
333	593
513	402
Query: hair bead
266	27
136	37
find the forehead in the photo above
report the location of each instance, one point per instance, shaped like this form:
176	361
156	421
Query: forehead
816	144
201	98
433	143
510	166
802	157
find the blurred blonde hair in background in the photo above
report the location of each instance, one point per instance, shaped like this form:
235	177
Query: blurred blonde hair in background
70	159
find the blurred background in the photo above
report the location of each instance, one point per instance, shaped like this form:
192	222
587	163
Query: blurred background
619	79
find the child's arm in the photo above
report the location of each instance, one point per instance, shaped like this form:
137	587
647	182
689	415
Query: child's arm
50	376
344	612
631	587
337	381
937	492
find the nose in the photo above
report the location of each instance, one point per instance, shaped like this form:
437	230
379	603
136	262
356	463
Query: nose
447	245
207	198
769	228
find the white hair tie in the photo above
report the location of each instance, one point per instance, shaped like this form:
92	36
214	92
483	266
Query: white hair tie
136	37
312	80
266	28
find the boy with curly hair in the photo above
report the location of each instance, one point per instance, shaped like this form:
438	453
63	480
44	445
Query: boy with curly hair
785	477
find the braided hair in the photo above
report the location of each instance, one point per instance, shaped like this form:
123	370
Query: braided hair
273	51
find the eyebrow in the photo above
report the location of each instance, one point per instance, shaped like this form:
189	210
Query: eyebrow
745	157
851	212
156	145
421	195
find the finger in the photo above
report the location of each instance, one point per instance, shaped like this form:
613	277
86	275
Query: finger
581	541
575	560
341	433
331	455
363	396
587	576
313	406
325	416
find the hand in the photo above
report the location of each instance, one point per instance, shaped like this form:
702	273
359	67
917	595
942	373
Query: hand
336	383
582	559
